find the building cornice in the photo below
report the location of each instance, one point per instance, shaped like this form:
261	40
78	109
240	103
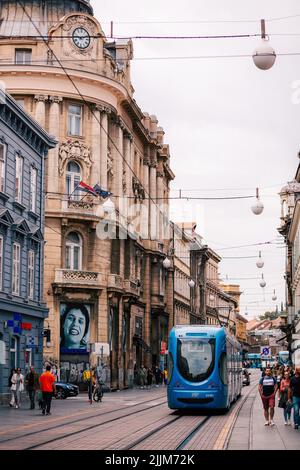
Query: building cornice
27	129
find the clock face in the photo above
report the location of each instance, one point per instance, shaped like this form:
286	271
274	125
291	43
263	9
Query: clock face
81	38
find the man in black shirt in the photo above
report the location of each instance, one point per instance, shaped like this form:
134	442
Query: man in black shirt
294	396
267	390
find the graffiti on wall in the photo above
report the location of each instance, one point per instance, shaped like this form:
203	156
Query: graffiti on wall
72	372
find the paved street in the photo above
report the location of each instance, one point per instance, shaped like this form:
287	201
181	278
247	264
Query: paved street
140	420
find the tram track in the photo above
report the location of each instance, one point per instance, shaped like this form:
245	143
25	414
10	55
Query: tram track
89	417
192	432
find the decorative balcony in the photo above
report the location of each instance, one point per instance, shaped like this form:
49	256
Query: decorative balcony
114	282
132	287
84	209
80	279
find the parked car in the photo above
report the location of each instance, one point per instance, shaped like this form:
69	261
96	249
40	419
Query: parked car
246	377
65	390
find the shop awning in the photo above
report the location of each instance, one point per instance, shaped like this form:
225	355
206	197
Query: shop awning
140	342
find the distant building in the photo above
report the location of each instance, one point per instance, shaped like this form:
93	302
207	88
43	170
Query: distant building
23	148
290	230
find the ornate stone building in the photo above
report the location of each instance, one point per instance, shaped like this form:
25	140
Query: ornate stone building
101	286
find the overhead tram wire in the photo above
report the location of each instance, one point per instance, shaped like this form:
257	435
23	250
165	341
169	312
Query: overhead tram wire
90	107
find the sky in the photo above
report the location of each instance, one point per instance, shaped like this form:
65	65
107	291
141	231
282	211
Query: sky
231	127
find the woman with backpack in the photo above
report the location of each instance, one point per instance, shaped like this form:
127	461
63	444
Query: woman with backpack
283	400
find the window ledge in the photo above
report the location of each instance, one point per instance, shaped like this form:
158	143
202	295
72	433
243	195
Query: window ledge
4	196
34	215
18	205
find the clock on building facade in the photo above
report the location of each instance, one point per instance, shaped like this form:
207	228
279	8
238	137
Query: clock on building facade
81	38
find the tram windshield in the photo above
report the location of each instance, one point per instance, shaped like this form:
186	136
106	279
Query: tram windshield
195	358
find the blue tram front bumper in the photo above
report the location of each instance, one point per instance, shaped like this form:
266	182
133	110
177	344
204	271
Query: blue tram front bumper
207	399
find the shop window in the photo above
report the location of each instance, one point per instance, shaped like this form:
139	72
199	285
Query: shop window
13	352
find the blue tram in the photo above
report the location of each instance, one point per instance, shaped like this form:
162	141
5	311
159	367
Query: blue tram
205	368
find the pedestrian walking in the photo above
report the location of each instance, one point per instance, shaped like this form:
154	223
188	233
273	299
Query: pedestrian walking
32	386
157	374
149	377
47	383
294	396
142	376
284	398
17	387
267	390
12	396
165	376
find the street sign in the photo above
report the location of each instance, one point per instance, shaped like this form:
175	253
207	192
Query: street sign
265	352
101	349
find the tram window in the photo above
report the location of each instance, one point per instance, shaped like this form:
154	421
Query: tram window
195	358
223	368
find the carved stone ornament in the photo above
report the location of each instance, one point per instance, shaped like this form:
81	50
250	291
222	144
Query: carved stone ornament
109	163
77	151
72	23
124	181
78	21
42	98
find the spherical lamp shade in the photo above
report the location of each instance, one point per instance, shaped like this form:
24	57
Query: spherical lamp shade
167	263
263	283
258	207
274	297
260	263
211	297
264	56
192	284
109	206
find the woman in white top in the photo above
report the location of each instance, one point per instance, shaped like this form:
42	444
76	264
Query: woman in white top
17	387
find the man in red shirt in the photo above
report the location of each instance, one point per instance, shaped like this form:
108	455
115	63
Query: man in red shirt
47	382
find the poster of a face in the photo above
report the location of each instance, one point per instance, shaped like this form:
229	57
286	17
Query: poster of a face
74	328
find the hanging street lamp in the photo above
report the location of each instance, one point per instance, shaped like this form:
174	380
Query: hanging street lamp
258	206
274	296
260	263
192	284
167	263
262	282
264	55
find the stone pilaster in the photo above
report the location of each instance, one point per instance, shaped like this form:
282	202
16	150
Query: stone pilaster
40	109
153	207
96	149
104	150
160	203
54	129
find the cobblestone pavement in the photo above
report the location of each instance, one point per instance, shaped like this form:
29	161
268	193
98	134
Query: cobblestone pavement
140	420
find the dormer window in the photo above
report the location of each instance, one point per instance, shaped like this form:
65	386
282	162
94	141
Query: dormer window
23	56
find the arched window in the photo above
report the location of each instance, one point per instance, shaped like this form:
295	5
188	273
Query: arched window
74	251
73	178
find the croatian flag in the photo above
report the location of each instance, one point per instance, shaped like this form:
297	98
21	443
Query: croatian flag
86	188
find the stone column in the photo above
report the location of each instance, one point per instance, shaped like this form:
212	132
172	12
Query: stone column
104	149
40	109
96	155
153	193
160	203
54	129
127	165
146	203
117	153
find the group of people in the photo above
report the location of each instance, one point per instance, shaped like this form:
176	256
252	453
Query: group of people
38	387
146	376
285	382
